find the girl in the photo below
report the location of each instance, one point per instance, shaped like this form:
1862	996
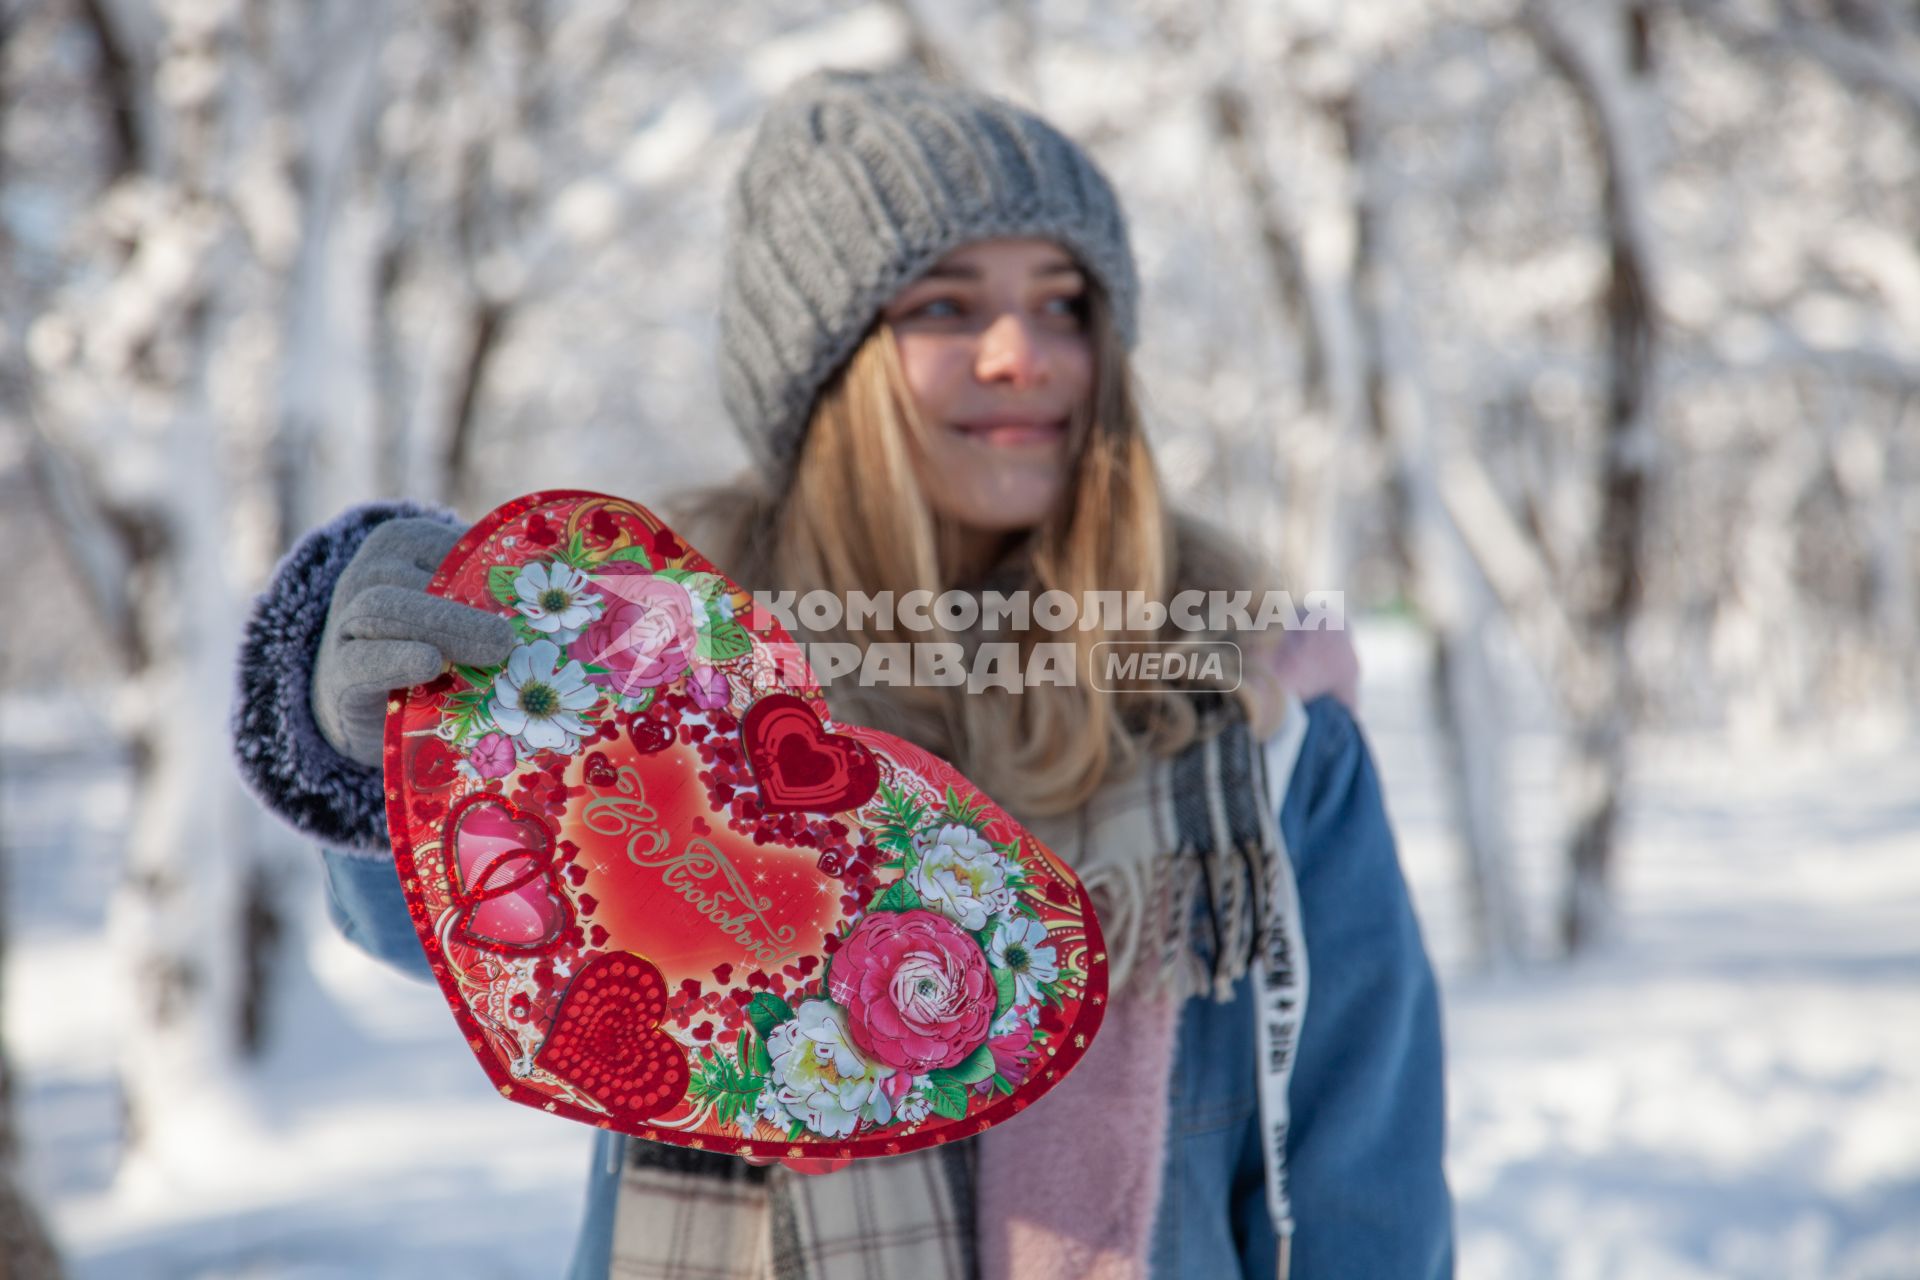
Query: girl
929	302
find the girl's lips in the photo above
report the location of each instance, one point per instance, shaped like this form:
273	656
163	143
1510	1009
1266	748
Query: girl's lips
1011	431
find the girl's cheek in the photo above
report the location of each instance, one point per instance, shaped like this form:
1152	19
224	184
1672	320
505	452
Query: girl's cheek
932	369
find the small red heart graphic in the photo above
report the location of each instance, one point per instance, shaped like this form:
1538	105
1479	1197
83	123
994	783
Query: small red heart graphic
606	1040
431	763
799	764
650	736
501	869
599	770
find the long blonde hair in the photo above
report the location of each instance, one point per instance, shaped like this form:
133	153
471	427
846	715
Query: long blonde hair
853	517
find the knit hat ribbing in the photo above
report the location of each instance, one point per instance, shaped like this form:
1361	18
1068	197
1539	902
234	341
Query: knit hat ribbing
855	183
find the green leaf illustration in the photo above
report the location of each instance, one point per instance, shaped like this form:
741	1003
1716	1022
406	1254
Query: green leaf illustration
732	1090
767	1011
966	812
723	642
631	555
1003	986
900	817
500	582
704	586
949	1099
977	1066
898	896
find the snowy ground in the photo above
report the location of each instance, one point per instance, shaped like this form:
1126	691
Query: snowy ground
1732	1090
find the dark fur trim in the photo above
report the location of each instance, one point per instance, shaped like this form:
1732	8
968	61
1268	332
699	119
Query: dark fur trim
284	760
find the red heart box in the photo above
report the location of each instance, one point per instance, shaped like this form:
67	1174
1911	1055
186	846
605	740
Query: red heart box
665	893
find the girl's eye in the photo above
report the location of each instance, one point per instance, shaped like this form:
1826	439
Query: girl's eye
1073	306
928	309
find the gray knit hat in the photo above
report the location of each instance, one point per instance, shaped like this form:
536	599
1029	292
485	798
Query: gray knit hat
854	185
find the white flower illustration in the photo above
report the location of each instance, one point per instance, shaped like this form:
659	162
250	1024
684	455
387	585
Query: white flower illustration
960	875
1020	946
820	1078
538	702
765	1107
556	599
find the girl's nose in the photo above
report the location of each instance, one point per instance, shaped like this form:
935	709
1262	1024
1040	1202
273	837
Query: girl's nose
1008	351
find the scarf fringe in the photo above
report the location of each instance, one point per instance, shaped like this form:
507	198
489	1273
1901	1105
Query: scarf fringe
1176	857
1182	927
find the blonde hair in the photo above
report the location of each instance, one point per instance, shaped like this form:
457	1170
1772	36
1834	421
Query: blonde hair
853	517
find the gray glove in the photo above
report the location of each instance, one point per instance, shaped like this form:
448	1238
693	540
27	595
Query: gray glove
384	632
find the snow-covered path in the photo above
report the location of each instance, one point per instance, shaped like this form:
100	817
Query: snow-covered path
1732	1089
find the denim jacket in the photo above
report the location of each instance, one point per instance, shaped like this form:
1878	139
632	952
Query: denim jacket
1366	1142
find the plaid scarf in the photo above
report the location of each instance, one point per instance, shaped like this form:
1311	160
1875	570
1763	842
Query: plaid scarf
697	1215
1175	856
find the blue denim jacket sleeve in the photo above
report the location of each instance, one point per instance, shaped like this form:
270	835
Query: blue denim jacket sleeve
365	903
1367	1139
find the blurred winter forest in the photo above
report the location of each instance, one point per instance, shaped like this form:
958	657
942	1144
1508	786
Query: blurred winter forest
1579	342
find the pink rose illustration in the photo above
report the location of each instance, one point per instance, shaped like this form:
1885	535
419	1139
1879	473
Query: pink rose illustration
708	687
646	635
916	989
1013	1053
492	756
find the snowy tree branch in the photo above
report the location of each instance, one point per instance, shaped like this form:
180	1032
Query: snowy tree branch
1871	67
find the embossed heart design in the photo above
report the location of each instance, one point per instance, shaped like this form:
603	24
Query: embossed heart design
503	878
607	1043
665	892
799	764
599	772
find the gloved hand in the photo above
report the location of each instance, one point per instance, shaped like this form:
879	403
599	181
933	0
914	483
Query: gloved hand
384	632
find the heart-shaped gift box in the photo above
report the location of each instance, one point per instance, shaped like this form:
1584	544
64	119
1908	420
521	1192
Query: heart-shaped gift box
665	893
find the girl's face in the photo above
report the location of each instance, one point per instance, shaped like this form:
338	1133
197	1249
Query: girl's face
993	340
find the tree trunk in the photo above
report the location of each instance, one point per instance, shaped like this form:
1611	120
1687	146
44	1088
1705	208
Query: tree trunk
1439	578
26	1248
1603	73
1329	376
178	918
